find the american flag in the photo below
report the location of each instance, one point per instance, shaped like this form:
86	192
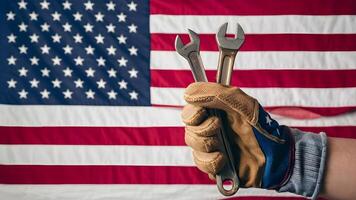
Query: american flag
91	90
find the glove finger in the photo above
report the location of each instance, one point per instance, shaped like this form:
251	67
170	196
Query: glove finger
204	137
210	163
229	99
193	115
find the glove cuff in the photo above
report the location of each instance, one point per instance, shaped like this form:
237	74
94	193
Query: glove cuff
309	164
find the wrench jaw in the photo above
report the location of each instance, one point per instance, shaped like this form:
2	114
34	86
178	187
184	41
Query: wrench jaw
230	43
192	46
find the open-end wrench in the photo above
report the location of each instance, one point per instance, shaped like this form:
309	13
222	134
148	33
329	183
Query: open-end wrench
191	53
228	48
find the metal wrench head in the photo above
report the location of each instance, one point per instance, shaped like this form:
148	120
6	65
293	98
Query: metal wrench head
193	45
230	43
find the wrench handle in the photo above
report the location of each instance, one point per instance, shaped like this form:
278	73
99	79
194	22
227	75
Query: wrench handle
197	67
228	173
225	66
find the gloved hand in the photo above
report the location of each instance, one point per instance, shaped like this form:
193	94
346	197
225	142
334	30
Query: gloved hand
263	150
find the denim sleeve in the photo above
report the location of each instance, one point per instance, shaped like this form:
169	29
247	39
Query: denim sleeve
310	156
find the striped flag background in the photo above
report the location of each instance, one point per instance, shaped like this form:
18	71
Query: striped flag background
298	60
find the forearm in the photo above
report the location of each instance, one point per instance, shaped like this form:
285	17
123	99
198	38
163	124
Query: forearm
340	173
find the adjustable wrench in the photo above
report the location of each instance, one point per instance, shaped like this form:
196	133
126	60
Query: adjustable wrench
228	48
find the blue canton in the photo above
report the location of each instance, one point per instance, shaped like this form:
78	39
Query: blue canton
75	52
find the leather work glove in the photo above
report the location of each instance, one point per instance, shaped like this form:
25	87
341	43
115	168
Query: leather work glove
263	150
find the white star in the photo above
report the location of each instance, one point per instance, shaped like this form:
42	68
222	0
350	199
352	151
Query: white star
101	83
122	39
110	5
33	16
45	94
56	38
79	83
45	5
132	28
111	28
23	71
34	83
56	61
67	94
67	27
122	84
45	27
101	61
79	61
11	60
78	38
34	38
132	6
122	62
77	16
56	16
88	27
99	39
23	27
133	51
89	50
45	72
111	50
112	72
67	72
10	16
90	72
23	94
45	49
133	95
67	49
88	5
112	94
99	17
133	73
11	38
56	83
23	49
121	17
90	94
22	4
12	83
34	60
66	5
268	120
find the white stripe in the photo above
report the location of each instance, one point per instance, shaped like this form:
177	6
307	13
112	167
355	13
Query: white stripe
95	155
308	97
262	60
255	24
120	191
106	116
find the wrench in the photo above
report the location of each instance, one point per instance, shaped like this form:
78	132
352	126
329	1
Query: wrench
228	48
191	53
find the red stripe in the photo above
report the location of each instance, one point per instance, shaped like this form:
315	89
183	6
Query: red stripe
173	136
253	7
267	42
263	78
93	135
50	174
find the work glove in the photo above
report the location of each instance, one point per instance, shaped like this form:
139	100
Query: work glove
263	150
